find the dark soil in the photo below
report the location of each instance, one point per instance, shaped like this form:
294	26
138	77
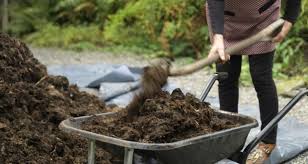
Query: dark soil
164	118
32	104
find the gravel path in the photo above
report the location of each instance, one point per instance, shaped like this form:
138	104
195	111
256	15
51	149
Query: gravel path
193	83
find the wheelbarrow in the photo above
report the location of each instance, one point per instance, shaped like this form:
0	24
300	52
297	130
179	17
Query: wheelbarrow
208	148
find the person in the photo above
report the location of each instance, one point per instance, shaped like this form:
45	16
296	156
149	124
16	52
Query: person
230	21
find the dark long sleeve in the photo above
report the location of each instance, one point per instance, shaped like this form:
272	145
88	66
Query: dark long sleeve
292	10
216	14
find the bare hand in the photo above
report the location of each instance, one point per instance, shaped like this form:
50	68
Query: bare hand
283	33
219	48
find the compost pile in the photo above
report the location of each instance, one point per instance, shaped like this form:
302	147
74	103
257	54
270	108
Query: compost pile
162	119
32	104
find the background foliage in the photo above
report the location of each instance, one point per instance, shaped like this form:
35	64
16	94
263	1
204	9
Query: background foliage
174	28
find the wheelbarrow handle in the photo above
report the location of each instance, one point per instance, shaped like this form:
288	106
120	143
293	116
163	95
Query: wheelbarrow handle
243	157
208	87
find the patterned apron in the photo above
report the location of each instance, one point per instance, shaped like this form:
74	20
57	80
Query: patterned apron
244	18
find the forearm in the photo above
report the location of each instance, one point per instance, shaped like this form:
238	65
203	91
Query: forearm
292	10
216	14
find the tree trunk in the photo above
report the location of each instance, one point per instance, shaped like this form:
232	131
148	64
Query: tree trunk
5	16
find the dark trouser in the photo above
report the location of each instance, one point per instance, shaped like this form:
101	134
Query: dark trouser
261	72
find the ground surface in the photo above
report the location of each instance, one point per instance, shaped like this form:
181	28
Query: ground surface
193	83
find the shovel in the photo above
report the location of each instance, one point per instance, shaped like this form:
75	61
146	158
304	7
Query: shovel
156	75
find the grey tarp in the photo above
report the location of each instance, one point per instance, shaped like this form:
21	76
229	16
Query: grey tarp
115	84
111	81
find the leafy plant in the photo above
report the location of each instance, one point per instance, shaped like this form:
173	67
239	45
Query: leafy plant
86	11
75	37
28	16
174	26
290	53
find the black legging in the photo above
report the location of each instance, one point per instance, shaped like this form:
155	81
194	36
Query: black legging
261	72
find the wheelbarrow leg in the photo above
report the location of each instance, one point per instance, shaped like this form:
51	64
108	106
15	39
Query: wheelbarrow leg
91	151
128	157
242	157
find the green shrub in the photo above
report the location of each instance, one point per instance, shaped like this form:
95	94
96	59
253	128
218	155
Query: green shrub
290	53
76	37
177	27
86	11
28	16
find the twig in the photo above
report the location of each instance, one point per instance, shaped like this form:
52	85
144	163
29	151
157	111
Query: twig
42	79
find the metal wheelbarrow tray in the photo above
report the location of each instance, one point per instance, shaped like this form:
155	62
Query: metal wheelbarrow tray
204	149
